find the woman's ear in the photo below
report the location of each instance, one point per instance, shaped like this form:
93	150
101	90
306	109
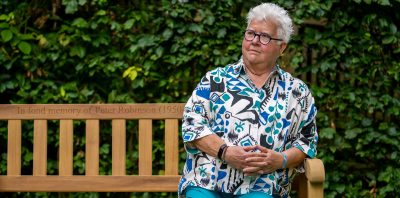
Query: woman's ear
283	47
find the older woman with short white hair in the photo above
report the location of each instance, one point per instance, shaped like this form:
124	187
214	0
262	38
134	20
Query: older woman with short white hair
248	126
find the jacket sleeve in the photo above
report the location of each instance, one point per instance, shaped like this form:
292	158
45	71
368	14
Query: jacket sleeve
196	116
306	136
306	133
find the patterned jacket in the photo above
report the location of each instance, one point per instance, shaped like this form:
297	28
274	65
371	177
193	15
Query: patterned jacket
278	116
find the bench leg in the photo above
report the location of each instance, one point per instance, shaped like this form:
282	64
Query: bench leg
315	190
302	191
308	189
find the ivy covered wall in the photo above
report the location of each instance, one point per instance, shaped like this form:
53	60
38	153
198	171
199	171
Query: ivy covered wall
103	51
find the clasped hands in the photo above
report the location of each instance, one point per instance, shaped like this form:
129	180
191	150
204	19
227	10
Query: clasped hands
253	160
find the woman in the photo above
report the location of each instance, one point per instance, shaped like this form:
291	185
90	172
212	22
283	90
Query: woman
248	126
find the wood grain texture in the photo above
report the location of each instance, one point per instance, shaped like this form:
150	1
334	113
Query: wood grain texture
118	146
91	111
92	147
145	147
132	183
40	147
14	147
171	147
66	147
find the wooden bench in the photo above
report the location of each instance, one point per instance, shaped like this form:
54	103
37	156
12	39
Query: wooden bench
309	184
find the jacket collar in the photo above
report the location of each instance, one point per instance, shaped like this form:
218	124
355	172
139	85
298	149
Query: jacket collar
238	69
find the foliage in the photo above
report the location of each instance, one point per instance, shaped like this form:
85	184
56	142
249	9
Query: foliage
101	51
357	92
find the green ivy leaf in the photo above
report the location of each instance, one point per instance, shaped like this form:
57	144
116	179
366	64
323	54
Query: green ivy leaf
105	149
4	25
167	33
4	17
62	92
101	13
128	24
71	6
64	40
80	22
327	133
131	72
221	33
78	51
210	20
24	47
6	35
393	28
384	2
389	39
352	133
82	2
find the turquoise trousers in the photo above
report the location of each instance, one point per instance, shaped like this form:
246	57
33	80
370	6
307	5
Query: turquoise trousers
197	192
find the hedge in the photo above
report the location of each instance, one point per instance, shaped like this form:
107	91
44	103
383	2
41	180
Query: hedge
103	51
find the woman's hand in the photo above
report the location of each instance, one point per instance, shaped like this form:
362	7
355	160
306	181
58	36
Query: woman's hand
261	160
236	156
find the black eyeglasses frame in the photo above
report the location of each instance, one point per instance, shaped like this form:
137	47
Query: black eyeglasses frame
259	36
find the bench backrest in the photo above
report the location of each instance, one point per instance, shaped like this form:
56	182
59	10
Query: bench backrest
92	114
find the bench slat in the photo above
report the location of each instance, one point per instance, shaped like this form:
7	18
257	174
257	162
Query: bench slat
145	147
171	147
118	147
92	147
66	148
14	148
40	147
134	183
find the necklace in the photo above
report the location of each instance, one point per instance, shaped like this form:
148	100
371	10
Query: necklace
255	73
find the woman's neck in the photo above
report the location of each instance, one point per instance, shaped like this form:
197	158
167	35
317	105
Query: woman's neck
256	73
258	78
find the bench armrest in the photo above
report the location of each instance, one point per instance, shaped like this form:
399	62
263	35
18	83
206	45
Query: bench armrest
315	171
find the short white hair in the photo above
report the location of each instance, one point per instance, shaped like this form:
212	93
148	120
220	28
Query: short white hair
276	14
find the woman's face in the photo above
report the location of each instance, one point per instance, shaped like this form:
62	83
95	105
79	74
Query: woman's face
258	55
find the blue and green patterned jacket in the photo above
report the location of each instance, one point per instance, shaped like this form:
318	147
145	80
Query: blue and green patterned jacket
278	116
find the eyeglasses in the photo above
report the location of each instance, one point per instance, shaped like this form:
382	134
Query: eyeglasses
264	38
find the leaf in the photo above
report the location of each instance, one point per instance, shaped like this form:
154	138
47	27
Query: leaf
82	2
327	133
24	47
383	126
389	39
105	149
80	22
196	28
71	6
4	17
4	26
393	28
101	13
384	2
352	133
159	51
210	20
64	40
128	24
78	51
167	34
6	35
131	72
221	33
62	92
